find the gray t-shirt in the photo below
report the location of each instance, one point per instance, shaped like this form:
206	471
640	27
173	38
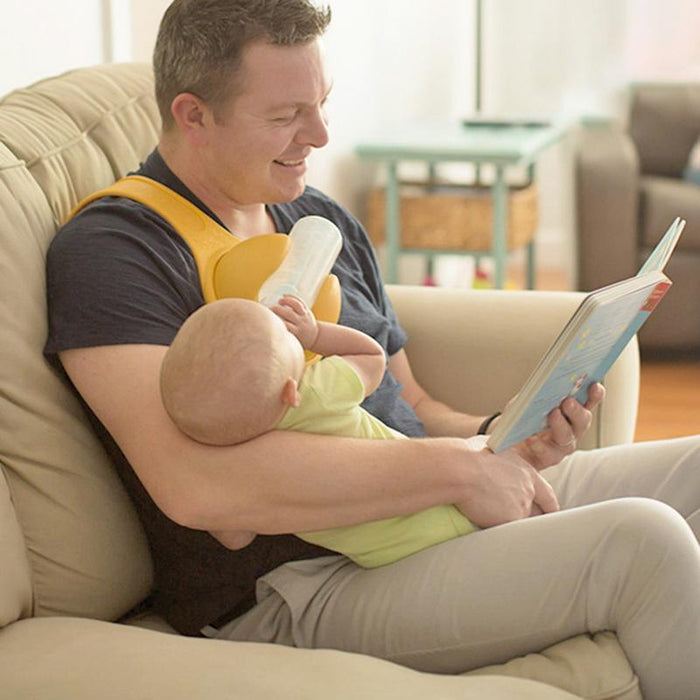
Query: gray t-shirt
118	273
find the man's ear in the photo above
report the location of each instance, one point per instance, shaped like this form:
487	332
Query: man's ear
192	117
290	393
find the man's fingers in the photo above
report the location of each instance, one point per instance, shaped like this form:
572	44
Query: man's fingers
545	498
596	394
564	429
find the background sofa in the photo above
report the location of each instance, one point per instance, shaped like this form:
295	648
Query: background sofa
75	568
629	188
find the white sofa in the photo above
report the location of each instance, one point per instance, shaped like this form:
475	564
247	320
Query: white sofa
74	563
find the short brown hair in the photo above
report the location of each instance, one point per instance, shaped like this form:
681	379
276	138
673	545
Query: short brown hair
200	43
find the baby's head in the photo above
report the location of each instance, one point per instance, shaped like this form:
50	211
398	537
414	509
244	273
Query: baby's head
231	372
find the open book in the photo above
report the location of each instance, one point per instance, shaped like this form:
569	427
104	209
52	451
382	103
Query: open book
606	320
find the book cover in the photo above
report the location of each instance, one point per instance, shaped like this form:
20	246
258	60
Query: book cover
595	336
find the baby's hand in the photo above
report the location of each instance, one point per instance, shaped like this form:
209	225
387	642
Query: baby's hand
298	318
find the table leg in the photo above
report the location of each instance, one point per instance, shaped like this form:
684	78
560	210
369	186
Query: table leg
530	253
499	191
432	173
392	224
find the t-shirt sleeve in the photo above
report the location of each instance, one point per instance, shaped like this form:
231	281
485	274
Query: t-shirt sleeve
116	277
336	383
363	249
330	390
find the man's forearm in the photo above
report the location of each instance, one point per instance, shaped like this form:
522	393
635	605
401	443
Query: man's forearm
442	421
439	419
292	482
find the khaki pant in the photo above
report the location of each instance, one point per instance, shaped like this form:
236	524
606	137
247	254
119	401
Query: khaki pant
631	565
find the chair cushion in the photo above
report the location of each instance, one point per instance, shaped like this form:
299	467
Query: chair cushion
592	667
691	173
69	659
15	582
664	125
662	199
589	666
59	140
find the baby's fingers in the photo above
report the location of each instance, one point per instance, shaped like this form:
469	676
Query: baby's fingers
294	303
286	313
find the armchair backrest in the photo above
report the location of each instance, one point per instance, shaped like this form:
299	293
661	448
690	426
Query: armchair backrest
70	542
664	123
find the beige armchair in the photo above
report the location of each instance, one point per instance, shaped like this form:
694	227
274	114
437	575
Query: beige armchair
629	188
75	568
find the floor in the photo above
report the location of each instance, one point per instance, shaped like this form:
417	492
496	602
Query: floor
669	403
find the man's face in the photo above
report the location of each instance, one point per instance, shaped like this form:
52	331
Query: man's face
259	144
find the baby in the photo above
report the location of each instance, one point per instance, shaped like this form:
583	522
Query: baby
236	370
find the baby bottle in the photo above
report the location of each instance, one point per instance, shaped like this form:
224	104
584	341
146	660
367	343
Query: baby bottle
314	244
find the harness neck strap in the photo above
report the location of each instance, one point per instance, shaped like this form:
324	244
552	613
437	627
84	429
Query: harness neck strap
227	266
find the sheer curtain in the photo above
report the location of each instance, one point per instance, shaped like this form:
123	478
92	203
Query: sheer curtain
663	40
572	57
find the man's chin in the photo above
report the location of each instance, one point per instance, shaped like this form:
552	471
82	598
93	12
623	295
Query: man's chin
289	193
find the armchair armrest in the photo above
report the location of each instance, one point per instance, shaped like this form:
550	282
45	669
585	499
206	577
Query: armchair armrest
607	202
475	349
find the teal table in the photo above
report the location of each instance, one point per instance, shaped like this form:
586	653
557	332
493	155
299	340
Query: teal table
502	146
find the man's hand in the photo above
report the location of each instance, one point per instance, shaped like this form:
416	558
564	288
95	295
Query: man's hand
299	319
508	488
567	425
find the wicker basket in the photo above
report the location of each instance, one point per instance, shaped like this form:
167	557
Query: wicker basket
453	218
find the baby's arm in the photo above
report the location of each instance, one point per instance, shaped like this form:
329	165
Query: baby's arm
362	352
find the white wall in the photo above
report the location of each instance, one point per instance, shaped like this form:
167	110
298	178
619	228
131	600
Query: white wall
392	62
397	61
40	38
145	18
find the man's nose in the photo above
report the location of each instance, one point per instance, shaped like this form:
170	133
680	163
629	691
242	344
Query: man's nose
314	131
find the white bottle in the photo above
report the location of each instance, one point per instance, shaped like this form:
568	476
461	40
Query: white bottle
314	244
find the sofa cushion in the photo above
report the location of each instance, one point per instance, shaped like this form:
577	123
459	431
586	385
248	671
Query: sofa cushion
86	549
15	583
591	666
82	130
664	124
72	659
588	666
662	199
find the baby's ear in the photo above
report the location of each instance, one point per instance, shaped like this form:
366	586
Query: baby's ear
290	393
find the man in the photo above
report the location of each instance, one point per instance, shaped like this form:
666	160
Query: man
241	86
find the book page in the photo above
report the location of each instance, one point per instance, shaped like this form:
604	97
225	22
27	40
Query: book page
659	256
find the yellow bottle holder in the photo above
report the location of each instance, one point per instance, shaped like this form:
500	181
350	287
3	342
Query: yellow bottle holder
227	266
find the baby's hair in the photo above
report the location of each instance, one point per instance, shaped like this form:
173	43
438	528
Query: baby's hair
222	377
